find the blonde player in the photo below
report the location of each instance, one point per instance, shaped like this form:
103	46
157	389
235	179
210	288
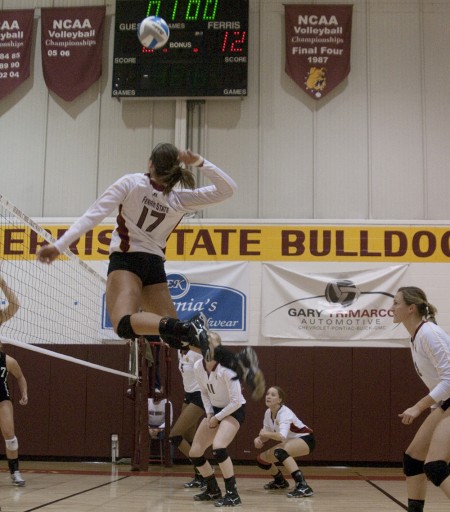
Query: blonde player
10	365
428	455
294	439
224	405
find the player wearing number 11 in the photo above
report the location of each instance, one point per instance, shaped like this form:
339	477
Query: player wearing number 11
150	206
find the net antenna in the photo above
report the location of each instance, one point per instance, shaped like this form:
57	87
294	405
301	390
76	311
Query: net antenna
59	304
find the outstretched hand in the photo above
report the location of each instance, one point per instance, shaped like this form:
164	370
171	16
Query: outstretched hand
47	254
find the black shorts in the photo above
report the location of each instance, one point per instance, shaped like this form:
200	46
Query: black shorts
310	440
238	414
194	398
148	267
445	404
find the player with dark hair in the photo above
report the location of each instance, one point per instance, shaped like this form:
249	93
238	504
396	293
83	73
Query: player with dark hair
183	430
150	206
293	439
428	455
224	405
10	365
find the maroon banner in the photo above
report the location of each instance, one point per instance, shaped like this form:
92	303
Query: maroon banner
318	46
72	41
16	29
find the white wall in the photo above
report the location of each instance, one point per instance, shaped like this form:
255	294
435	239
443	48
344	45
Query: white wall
374	148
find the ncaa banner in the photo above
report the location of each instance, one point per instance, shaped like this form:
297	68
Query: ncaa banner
16	29
71	45
217	289
332	306
318	46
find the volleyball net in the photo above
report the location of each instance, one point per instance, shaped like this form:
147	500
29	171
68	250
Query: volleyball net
59	304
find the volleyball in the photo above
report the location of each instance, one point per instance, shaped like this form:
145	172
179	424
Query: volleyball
153	32
341	292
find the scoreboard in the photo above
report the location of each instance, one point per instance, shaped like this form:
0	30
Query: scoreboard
206	55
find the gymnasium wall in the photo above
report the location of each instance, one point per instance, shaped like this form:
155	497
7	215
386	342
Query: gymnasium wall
374	148
373	151
350	397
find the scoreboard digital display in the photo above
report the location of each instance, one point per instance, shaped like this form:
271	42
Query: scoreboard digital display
206	55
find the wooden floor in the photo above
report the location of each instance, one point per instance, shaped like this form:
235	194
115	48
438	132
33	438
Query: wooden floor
95	487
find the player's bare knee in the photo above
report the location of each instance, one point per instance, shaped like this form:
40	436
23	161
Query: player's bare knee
437	471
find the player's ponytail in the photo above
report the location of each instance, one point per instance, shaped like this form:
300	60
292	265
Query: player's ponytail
168	170
414	295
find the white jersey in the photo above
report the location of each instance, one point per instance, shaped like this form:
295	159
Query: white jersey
219	389
285	423
186	363
146	216
157	413
430	349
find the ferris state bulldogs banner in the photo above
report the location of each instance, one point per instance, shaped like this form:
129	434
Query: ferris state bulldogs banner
330	306
16	29
71	42
318	46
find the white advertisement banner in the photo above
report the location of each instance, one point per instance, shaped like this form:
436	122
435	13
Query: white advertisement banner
352	305
218	289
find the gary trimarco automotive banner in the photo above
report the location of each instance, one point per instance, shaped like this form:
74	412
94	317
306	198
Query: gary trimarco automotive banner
330	306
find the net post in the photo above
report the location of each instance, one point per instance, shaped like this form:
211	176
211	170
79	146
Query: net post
168	424
141	437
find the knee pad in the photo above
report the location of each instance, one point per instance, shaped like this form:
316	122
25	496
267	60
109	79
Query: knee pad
176	440
263	464
281	455
198	462
412	467
124	329
12	444
221	455
437	471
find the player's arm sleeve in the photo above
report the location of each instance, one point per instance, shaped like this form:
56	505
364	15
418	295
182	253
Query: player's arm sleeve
234	390
222	187
104	206
438	352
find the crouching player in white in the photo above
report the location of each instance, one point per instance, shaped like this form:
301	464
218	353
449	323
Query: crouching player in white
224	405
294	439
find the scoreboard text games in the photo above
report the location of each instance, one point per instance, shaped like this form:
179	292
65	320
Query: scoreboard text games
206	55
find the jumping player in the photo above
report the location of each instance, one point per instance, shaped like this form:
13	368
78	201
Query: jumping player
294	439
150	206
10	365
428	455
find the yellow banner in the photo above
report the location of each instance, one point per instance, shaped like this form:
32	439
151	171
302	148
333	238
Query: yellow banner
427	244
